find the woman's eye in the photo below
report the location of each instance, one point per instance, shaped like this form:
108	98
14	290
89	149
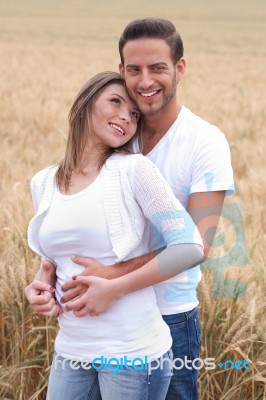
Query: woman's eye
136	115
116	100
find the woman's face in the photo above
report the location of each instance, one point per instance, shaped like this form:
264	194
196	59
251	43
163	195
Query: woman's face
114	117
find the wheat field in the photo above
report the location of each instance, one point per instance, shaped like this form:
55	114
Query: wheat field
47	51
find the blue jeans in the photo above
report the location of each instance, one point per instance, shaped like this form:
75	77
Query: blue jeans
71	381
185	331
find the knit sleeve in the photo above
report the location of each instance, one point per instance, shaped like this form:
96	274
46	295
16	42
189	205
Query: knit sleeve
170	222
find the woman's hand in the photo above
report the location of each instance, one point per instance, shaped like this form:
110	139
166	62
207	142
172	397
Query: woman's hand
99	296
41	297
40	292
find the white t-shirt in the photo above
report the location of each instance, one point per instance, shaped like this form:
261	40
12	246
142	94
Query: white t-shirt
133	326
193	156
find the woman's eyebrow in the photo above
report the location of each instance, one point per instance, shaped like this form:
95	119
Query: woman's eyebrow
135	107
118	95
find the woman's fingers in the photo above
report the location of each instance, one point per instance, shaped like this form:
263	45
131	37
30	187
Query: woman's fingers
41	297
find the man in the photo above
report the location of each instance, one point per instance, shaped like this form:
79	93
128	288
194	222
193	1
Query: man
194	158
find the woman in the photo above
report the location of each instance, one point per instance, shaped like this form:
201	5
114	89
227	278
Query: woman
102	202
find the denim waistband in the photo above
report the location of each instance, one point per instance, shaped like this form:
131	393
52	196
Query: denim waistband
180	317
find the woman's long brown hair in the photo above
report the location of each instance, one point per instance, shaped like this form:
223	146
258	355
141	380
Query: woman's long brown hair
79	126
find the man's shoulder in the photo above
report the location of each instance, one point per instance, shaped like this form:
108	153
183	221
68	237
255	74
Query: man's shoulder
194	124
198	121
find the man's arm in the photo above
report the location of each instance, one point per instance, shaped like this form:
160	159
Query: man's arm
102	293
205	209
116	270
93	268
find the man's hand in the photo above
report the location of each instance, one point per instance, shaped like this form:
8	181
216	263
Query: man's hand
40	293
99	296
78	288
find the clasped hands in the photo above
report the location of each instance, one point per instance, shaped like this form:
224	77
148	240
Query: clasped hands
85	294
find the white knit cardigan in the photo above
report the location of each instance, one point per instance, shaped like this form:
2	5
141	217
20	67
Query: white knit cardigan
134	192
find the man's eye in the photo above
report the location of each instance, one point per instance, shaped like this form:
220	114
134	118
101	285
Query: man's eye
132	70
159	68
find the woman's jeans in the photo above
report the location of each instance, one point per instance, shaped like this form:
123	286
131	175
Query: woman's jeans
76	381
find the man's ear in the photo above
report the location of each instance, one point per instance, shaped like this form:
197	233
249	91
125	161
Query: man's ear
121	70
180	68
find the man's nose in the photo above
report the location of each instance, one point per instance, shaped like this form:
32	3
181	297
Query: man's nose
146	80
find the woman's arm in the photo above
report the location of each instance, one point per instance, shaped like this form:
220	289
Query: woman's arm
40	292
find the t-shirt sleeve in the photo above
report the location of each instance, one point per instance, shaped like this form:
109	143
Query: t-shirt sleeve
170	222
211	168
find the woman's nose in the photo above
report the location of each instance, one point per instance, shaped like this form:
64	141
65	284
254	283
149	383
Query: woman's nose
125	116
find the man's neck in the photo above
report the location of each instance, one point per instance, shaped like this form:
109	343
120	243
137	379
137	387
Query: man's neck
156	126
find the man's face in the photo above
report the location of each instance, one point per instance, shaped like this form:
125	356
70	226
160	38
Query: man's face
150	75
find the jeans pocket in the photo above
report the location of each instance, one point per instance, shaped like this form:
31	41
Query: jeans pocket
170	354
197	329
